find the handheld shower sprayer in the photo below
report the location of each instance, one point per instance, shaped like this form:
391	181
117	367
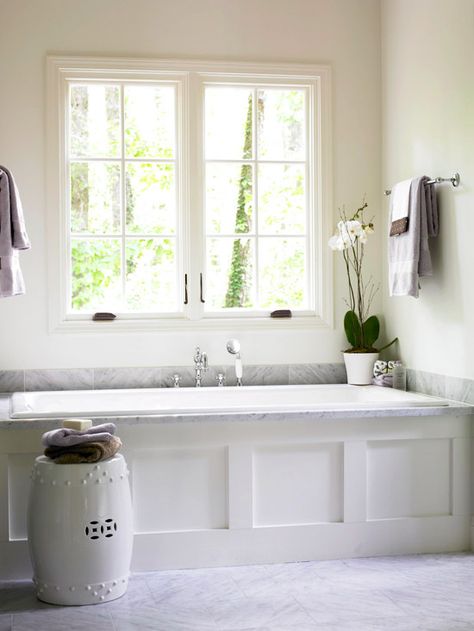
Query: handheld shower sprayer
233	347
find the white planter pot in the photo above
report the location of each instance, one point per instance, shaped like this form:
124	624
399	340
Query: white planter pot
360	367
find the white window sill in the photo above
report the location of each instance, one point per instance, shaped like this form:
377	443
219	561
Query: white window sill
124	325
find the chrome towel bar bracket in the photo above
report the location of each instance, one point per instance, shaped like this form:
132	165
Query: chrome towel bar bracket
455	181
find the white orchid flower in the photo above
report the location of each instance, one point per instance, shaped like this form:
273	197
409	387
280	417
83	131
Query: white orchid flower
336	242
350	231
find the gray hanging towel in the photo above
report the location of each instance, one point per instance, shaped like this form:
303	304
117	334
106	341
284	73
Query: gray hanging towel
13	236
409	255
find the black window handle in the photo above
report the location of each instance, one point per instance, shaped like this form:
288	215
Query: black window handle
185	289
200	287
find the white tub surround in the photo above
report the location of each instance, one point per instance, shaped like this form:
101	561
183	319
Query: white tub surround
205	401
305	483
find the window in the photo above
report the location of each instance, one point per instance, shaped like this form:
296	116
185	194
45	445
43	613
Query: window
187	193
256	203
122	197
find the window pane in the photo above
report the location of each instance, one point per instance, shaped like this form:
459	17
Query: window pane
96	284
281	116
95	121
229	198
230	273
228	120
281	199
151	275
151	198
95	197
282	273
149	121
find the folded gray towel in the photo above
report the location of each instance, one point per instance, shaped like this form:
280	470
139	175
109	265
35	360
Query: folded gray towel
88	452
13	236
65	437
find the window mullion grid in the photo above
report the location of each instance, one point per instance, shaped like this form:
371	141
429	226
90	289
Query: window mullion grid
119	160
180	233
123	195
67	148
309	201
255	195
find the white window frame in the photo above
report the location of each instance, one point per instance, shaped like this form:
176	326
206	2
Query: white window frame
190	77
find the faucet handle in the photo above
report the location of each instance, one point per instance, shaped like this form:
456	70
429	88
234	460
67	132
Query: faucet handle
220	379
176	380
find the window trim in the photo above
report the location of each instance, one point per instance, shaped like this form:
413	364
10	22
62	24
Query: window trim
191	77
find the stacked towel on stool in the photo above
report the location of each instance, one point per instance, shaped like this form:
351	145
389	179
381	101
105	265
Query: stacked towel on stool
71	446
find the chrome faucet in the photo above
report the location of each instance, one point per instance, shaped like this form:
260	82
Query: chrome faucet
200	366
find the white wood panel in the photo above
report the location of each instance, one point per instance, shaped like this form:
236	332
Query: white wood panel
461	471
298	484
355	481
180	489
300	543
4	498
182	486
19	470
240	486
408	478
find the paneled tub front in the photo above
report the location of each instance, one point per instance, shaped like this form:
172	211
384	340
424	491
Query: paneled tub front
288	481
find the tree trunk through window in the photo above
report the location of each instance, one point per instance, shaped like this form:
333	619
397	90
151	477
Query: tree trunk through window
240	274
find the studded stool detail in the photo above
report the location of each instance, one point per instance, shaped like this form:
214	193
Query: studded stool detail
80	531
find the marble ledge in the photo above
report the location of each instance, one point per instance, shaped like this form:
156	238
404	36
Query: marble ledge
162	376
453	409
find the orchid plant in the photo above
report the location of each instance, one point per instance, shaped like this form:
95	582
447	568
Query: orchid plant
362	330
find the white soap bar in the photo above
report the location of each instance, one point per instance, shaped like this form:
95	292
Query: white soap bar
77	423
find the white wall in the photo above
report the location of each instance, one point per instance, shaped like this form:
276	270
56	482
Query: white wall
343	33
428	128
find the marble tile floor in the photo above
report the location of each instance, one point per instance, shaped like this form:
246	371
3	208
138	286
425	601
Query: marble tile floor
403	593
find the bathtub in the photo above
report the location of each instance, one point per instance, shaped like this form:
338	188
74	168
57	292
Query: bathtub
181	401
261	474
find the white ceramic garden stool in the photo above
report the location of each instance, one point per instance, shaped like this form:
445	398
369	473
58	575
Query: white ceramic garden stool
80	531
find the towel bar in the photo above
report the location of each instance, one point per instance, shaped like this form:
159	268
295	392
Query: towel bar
455	181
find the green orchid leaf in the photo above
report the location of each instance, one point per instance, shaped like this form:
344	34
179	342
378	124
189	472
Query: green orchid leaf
371	330
389	344
352	329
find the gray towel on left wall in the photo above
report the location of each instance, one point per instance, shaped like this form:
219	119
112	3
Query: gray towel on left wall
13	236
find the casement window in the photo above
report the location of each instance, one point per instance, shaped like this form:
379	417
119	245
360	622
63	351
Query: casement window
187	193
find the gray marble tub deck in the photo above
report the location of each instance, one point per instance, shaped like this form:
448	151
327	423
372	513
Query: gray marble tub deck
402	593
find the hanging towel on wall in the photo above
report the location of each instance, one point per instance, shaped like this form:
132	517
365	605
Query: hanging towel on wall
409	255
400	208
13	236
